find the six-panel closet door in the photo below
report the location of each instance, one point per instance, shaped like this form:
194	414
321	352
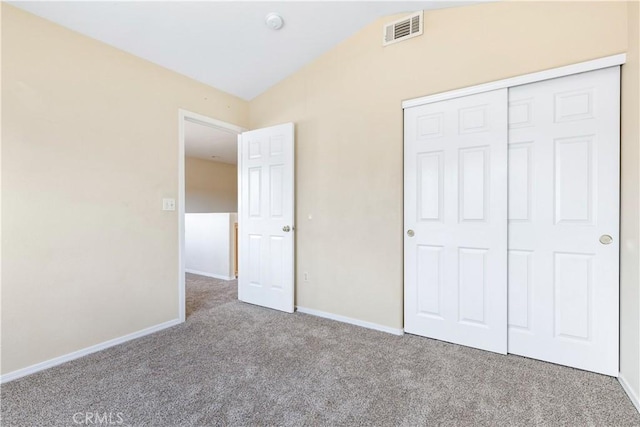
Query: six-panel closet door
524	261
455	218
564	157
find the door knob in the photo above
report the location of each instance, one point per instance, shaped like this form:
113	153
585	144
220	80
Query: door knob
410	233
605	239
286	229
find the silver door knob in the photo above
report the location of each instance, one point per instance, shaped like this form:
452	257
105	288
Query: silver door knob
605	239
286	229
410	233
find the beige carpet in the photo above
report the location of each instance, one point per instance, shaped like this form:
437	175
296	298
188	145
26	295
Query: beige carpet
237	364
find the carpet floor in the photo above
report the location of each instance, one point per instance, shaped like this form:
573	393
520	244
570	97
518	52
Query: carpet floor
234	364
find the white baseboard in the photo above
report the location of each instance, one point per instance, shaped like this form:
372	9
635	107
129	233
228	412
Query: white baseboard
632	395
204	273
83	352
344	319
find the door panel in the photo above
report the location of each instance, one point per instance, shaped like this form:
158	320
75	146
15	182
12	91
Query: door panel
456	205
520	288
429	280
266	243
564	194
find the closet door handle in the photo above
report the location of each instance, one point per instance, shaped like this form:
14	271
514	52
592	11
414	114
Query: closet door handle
605	239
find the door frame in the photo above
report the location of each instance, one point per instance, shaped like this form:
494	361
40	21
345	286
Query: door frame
185	115
567	70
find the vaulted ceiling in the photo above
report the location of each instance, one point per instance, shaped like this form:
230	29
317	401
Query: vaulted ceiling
224	44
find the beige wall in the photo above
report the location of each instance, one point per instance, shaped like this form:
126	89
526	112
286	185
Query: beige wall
630	212
89	149
347	109
211	187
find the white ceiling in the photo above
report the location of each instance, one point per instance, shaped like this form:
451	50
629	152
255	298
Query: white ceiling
225	44
205	142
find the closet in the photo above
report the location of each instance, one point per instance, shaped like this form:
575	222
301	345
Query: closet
511	214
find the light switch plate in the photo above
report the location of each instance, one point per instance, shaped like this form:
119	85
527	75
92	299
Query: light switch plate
168	204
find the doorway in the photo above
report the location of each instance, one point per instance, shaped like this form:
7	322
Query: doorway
207	200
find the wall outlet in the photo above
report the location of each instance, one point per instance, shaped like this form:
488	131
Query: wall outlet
168	204
305	276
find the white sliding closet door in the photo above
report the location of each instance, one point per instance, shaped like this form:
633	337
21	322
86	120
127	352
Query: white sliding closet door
563	220
456	220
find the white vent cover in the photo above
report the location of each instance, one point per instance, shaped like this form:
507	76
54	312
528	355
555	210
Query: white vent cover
402	29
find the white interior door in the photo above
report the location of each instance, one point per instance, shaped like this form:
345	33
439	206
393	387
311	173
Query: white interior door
266	211
456	220
563	203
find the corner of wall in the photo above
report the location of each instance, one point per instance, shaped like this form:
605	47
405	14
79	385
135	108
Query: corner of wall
630	212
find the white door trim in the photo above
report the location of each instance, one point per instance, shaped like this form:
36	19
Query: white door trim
629	390
185	115
581	67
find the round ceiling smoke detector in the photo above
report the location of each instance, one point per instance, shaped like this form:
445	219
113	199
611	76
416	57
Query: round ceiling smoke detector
274	21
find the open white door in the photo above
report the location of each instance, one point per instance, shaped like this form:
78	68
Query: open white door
455	217
266	214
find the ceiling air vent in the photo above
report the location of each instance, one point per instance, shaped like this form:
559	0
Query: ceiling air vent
402	29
